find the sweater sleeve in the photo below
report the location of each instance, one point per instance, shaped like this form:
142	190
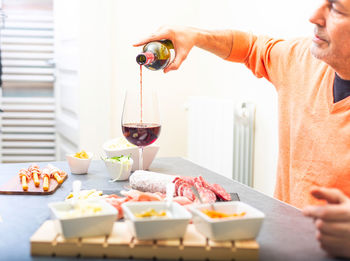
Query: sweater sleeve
265	56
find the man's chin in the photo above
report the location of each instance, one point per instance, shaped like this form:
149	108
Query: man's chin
317	52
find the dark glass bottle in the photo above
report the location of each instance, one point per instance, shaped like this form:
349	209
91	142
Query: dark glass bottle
155	55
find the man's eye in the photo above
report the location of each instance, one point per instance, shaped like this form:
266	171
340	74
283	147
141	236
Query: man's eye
333	8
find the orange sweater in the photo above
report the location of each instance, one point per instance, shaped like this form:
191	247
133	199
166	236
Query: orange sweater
314	133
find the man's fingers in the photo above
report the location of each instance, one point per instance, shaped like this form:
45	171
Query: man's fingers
335	246
175	64
331	195
328	212
151	38
337	229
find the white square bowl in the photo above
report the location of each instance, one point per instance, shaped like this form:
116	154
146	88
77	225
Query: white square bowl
234	228
173	226
83	226
149	152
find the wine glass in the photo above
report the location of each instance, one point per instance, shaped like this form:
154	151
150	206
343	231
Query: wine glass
141	119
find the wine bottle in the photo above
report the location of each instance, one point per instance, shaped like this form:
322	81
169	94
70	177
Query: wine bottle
155	55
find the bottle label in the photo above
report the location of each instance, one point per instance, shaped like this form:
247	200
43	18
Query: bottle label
149	57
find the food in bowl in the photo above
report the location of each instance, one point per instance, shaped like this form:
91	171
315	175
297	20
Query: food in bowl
171	226
151	213
86	218
119	167
81	155
217	214
81	209
120	146
86	194
245	226
120	143
79	165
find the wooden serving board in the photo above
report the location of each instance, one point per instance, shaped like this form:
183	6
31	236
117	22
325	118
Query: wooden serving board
121	244
14	187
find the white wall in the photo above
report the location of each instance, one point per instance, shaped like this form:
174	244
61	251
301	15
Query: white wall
202	73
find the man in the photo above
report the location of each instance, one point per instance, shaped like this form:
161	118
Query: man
312	79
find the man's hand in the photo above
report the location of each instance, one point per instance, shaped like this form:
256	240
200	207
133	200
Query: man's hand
332	221
218	42
183	38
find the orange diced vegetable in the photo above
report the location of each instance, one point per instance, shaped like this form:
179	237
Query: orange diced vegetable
217	214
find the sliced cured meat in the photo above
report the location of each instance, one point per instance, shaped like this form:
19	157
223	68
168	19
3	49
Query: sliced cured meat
182	200
188	193
136	195
189	180
206	195
220	192
203	182
181	189
147	196
148	181
178	184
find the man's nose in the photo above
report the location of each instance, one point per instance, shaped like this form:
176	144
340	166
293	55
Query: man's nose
319	15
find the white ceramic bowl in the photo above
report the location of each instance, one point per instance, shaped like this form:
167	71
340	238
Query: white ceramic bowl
77	165
235	228
118	170
173	226
149	152
83	226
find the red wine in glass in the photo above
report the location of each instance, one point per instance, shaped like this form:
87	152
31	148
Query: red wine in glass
141	134
141	119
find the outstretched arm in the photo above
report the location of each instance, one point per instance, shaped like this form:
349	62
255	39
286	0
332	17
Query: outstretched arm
185	38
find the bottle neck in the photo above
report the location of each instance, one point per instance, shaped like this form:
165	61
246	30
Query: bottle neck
145	58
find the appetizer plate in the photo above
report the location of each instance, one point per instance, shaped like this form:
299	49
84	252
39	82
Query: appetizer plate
173	225
246	225
77	220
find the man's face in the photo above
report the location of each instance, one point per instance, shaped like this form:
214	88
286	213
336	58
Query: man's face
331	41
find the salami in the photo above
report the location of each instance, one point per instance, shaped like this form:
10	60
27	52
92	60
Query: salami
220	192
207	195
149	181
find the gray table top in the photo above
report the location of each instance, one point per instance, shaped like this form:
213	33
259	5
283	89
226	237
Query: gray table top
285	235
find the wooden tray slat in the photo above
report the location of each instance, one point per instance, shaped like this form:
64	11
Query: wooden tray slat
121	244
193	238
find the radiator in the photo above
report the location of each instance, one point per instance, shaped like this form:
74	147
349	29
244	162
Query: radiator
27	124
221	136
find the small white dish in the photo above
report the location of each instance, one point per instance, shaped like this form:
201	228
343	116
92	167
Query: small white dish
77	165
232	228
119	170
172	226
71	224
120	146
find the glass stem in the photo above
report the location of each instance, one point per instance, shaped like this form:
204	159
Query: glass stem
140	158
